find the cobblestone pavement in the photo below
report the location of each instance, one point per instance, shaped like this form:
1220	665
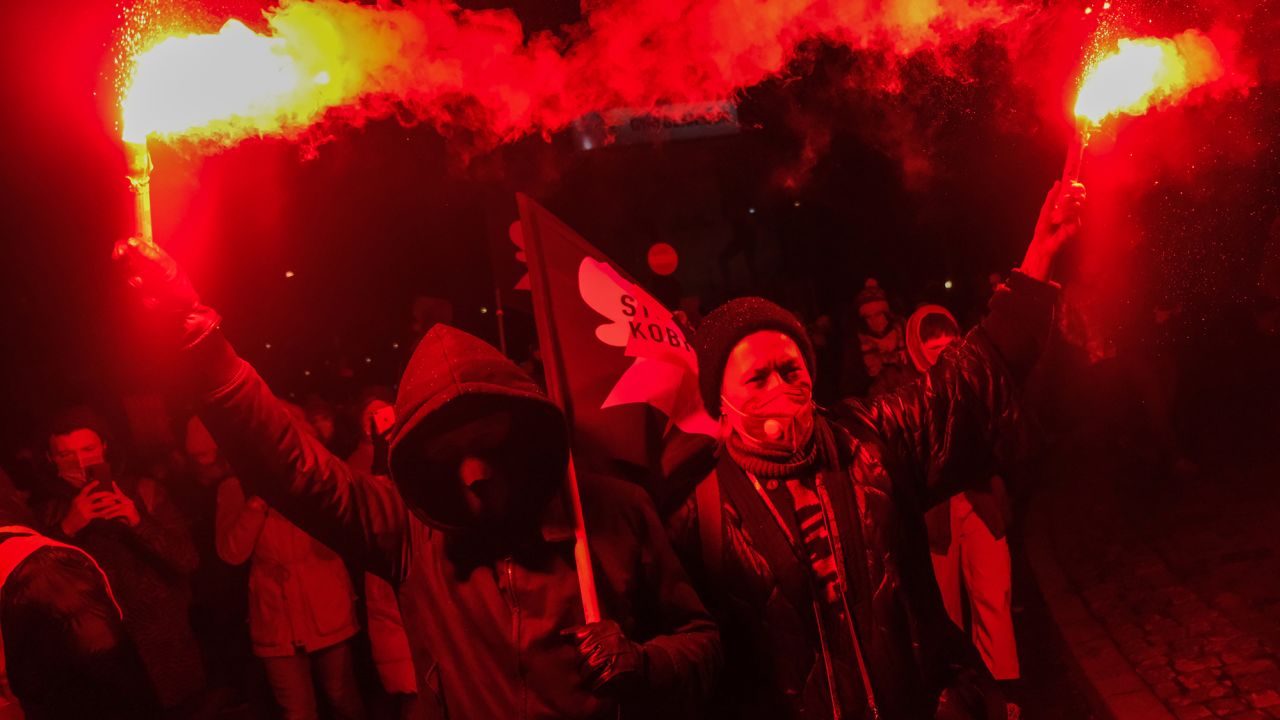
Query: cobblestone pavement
1183	574
1051	690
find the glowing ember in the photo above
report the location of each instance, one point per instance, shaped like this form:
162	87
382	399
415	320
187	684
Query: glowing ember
1147	72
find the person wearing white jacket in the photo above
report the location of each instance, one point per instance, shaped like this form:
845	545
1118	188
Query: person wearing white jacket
302	612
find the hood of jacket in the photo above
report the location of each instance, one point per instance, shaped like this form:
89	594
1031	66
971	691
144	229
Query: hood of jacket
915	339
455	378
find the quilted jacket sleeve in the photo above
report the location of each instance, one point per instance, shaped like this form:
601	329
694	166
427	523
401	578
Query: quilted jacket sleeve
291	470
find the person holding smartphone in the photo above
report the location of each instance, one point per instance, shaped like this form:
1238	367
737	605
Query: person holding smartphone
66	654
129	526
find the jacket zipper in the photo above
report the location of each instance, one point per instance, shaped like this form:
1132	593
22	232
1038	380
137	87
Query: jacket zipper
515	633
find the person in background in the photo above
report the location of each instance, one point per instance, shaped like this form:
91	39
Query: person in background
373	402
323	420
967	540
301	604
388	644
881	340
64	651
220	591
129	526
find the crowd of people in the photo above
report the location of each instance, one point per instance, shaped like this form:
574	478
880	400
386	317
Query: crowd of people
411	555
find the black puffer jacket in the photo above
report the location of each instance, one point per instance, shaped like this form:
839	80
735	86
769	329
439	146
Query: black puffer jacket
897	455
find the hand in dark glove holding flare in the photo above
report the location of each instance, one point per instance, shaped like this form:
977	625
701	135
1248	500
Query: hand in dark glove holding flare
165	290
611	663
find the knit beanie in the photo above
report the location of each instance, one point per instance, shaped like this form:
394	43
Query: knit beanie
725	327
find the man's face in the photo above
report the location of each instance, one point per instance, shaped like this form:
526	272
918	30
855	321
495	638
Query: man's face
473	452
73	452
934	346
758	364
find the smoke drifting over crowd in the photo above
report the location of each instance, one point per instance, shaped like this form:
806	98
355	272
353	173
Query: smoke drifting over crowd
480	72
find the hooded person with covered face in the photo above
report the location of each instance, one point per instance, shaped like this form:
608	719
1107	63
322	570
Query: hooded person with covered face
808	540
967	541
472	532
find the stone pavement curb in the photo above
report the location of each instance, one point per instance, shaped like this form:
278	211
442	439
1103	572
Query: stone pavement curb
1113	688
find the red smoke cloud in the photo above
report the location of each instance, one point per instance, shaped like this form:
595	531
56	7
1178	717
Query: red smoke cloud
478	71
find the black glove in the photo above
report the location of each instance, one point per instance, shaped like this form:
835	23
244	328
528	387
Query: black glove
611	663
165	290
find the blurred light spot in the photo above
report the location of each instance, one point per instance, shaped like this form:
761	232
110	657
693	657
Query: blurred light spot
288	273
663	259
484	310
948	285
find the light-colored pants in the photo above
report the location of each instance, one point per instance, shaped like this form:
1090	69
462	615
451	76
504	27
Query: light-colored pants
293	680
981	562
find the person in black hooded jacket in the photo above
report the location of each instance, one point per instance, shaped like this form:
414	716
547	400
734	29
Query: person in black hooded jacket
472	533
808	538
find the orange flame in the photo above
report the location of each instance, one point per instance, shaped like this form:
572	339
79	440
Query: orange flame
1147	72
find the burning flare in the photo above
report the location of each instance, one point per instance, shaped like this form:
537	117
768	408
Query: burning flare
233	83
1146	72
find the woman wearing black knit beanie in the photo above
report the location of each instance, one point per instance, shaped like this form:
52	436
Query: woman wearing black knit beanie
808	539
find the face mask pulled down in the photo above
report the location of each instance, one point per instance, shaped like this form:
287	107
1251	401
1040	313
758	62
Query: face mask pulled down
778	421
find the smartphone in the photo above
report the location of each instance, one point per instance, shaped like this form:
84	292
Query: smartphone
384	420
99	473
